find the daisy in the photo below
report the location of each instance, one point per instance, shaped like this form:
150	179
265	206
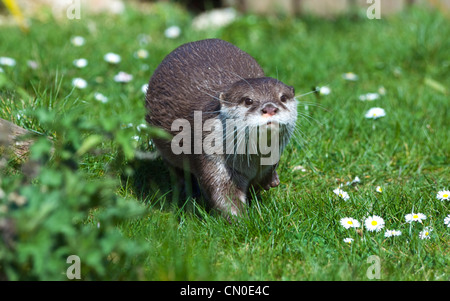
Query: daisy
7	61
123	77
80	63
369	97
348	240
215	18
348	222
77	41
144	88
350	76
374	223
425	234
375	113
379	189
443	195
79	83
141	54
299	167
141	126
32	64
447	220
100	97
324	90
390	233
356	180
172	32
415	217
341	193
112	58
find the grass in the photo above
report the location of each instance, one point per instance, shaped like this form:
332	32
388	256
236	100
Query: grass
293	231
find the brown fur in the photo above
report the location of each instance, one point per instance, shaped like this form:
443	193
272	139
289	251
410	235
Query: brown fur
209	76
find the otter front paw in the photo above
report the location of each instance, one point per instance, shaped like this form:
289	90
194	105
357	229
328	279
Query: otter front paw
274	181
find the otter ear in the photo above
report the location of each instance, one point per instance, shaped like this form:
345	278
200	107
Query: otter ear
292	90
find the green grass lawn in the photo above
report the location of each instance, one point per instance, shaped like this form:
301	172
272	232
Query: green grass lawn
292	232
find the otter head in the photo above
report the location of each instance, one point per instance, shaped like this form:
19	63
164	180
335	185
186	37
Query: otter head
263	104
260	102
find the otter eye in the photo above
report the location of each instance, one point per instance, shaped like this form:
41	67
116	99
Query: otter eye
283	98
248	101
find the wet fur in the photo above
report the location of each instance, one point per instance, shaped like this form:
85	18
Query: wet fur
213	76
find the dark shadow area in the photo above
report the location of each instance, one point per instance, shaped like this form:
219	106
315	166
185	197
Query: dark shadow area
158	185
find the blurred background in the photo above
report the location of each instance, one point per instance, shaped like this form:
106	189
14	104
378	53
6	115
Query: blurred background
325	8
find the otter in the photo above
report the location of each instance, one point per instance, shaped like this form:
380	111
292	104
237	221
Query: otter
214	82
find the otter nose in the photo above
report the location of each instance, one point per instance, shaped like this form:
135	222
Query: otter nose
269	110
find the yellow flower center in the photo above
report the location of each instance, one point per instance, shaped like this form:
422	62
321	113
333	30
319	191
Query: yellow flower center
374	223
426	233
445	195
415	216
350	222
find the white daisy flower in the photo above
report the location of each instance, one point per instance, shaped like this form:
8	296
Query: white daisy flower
79	83
415	217
341	193
374	223
172	32
7	61
80	63
112	58
141	126
369	97
447	221
390	233
324	90
32	64
123	77
100	97
396	232
379	189
348	222
350	76
144	88
214	18
141	54
356	180
299	167
443	195
126	126
375	113
425	234
348	240
77	41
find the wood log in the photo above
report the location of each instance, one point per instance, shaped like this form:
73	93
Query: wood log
15	138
